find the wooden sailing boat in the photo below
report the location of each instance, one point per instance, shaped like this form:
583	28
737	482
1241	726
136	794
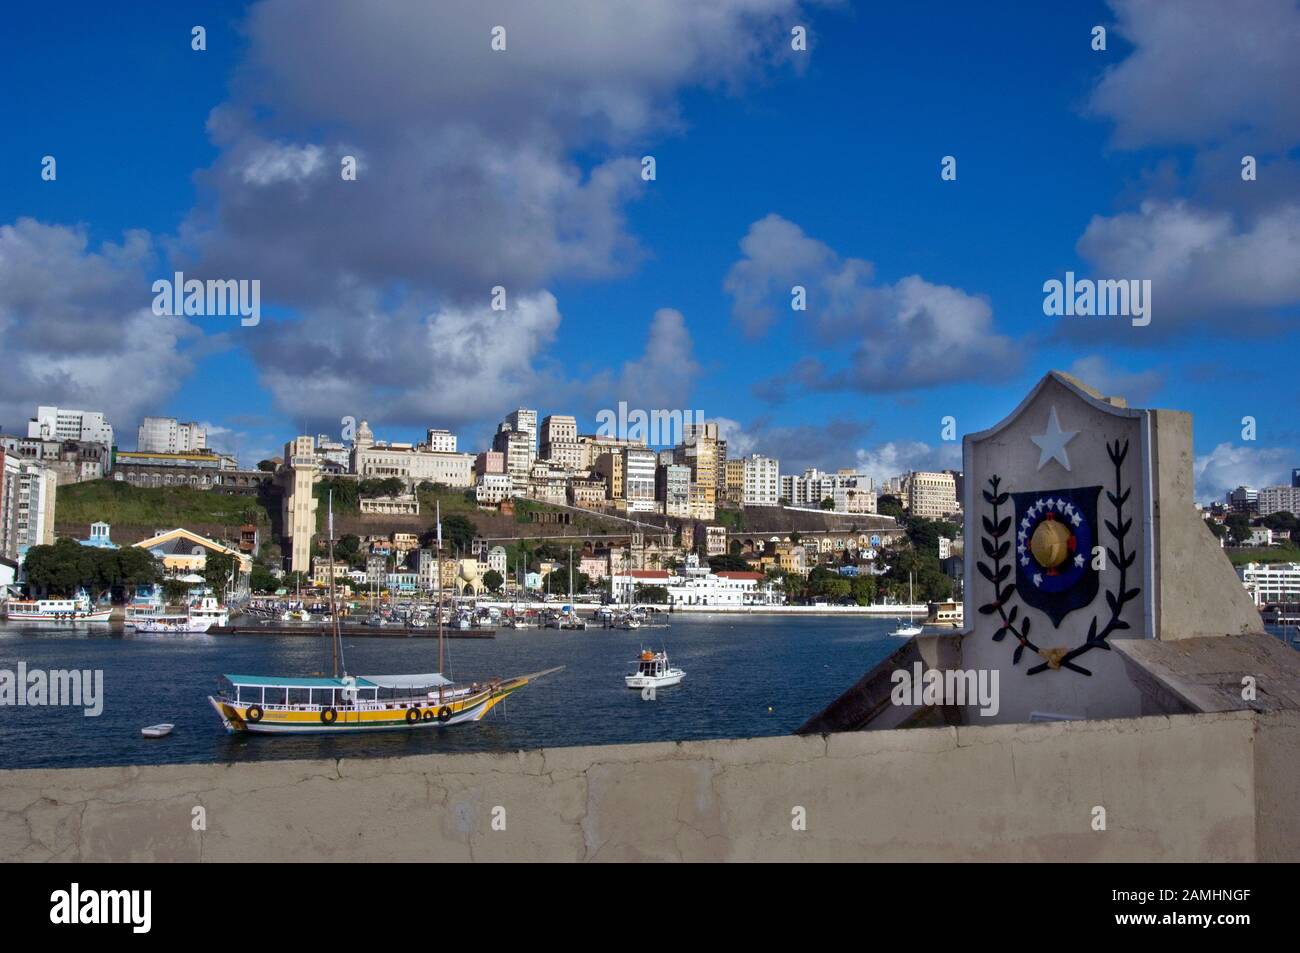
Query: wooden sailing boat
343	702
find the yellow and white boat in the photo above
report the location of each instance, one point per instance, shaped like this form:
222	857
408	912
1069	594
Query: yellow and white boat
271	705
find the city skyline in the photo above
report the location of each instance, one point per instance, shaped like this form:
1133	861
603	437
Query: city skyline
924	296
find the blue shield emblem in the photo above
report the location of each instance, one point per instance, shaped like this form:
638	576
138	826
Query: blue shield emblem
1056	531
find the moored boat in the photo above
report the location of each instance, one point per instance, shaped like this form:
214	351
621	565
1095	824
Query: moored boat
75	610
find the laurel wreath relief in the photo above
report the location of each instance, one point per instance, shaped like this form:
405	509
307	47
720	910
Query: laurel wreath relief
1018	624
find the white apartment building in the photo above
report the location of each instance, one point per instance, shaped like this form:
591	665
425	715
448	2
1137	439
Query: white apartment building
168	435
413	464
762	481
1279	499
333	453
930	495
524	420
59	423
849	491
516	447
440	441
1271	582
492	488
639	475
27	498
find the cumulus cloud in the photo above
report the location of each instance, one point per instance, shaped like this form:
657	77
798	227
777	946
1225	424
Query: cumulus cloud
909	334
477	169
661	378
899	456
1229	466
1205	267
1137	387
798	447
73	319
404	367
1203	71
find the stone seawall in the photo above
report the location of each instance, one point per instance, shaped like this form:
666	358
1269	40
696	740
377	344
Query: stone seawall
1210	787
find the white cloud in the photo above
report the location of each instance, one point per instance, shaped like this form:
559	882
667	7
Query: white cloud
1229	466
900	456
1137	387
1203	71
477	169
910	334
1205	268
75	323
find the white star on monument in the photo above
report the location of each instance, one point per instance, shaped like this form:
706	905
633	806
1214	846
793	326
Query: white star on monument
1078	560
1051	442
1038	579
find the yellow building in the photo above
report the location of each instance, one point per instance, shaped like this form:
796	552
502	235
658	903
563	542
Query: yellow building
183	552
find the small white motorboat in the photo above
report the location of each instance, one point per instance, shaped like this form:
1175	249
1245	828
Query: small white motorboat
653	671
157	731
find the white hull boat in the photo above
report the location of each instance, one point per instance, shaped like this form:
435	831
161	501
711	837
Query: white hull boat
653	671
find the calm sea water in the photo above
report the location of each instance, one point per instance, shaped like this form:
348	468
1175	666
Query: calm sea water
745	677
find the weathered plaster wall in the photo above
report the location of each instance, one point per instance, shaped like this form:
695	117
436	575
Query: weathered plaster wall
1184	787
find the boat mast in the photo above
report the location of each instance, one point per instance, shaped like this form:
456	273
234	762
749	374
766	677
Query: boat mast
438	570
336	637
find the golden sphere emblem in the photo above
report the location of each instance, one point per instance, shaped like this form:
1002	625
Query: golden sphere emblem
1050	544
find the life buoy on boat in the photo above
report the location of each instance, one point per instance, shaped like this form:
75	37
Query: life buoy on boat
428	714
329	716
253	714
412	715
444	714
647	656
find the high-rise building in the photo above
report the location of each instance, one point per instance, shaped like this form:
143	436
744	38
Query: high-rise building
699	451
524	420
673	488
930	495
168	435
27	498
516	447
762	481
59	423
1279	499
1243	499
1295	477
559	442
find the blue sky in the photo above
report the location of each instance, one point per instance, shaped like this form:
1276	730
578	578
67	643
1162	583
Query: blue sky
520	168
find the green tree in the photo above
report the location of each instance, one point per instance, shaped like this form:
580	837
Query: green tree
219	570
863	590
728	563
266	466
655	595
493	580
889	505
827	504
138	567
60	569
1238	528
261	579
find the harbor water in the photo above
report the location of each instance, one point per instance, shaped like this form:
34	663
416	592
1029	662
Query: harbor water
746	677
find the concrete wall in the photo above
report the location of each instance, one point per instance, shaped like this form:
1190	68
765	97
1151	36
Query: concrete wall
1176	788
